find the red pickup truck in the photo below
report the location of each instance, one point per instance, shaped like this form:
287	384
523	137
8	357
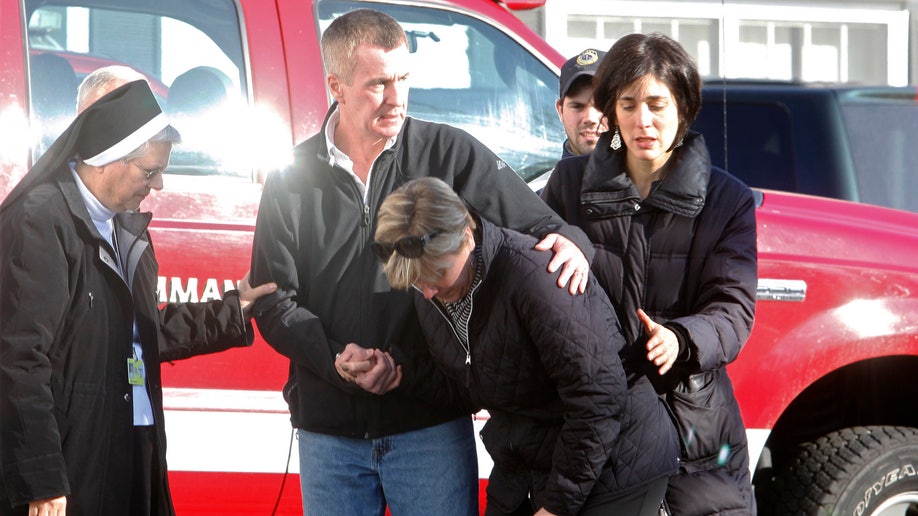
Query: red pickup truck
826	382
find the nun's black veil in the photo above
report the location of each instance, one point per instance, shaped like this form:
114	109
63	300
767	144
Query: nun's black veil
112	120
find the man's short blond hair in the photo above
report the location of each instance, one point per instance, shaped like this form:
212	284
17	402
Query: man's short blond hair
352	29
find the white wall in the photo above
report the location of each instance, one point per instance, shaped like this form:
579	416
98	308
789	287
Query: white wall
838	41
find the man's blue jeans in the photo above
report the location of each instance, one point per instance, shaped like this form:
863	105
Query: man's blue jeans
426	472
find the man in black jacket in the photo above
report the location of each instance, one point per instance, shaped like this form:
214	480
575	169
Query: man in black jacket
361	452
81	335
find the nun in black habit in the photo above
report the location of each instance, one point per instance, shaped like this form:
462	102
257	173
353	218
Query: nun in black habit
81	333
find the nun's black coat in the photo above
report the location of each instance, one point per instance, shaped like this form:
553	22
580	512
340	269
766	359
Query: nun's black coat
66	333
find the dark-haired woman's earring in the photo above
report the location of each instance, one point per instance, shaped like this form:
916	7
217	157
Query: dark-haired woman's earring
616	141
680	143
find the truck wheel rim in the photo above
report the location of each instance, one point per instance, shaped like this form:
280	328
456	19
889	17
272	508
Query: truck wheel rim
898	505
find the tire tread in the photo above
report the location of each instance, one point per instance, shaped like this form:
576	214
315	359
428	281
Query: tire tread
812	483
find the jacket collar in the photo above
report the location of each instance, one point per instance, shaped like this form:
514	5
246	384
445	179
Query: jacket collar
566	150
75	202
324	153
135	223
130	227
682	191
491	239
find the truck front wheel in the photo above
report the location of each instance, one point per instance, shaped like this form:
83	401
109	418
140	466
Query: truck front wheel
859	471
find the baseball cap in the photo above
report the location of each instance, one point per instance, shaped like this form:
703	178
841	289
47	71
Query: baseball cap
584	63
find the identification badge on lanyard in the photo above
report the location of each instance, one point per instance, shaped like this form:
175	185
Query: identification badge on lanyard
136	373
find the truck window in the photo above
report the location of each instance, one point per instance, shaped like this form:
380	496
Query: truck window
191	53
881	135
469	74
759	147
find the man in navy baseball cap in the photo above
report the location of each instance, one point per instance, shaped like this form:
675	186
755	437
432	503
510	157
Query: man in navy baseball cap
582	121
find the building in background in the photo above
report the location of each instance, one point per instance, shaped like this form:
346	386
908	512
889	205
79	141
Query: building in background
867	41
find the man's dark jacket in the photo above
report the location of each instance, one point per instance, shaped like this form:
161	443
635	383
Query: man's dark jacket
66	333
566	423
312	238
687	255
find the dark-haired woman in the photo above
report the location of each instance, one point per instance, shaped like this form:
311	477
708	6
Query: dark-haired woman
675	246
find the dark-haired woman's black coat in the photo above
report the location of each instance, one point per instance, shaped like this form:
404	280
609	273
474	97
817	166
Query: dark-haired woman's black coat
687	255
565	423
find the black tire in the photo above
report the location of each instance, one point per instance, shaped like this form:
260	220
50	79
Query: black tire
852	472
